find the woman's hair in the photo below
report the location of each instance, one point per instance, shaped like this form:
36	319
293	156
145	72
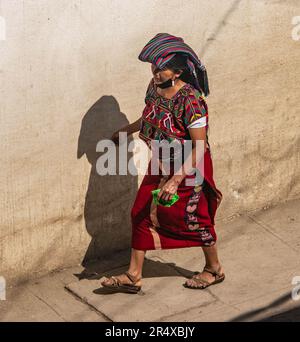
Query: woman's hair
179	63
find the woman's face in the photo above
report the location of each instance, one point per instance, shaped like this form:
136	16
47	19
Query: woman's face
162	75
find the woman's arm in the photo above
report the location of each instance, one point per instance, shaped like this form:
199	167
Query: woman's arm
196	134
134	127
170	188
129	129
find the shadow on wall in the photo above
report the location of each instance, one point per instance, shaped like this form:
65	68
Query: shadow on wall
109	198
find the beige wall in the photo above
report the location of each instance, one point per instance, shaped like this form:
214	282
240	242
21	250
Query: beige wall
70	77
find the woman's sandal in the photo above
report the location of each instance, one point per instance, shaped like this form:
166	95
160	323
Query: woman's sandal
200	283
118	286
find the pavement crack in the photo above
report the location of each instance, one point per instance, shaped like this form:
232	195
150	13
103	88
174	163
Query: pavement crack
47	304
85	302
268	229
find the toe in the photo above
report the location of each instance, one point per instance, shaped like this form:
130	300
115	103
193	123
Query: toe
189	283
192	283
106	281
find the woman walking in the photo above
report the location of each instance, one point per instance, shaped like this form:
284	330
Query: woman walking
175	111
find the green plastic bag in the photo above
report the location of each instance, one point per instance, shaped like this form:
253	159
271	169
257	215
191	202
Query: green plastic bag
163	202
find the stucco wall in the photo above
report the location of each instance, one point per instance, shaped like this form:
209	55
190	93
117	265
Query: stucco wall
70	77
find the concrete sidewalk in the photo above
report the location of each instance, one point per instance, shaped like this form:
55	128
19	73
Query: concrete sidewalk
260	253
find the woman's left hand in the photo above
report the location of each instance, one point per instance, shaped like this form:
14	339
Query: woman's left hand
168	190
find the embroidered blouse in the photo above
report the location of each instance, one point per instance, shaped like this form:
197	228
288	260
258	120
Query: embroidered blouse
169	119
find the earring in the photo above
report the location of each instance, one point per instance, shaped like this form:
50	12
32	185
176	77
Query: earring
173	83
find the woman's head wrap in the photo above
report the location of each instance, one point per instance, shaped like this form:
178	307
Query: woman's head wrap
163	47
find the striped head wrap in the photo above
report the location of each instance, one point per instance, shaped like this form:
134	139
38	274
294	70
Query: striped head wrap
163	47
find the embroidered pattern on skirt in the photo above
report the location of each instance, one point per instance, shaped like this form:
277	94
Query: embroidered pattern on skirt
191	219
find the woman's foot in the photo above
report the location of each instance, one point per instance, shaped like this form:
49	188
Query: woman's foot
125	282
208	277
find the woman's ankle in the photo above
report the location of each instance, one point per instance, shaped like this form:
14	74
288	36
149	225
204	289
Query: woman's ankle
213	266
135	273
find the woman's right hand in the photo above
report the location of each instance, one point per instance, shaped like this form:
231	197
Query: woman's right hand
129	129
115	137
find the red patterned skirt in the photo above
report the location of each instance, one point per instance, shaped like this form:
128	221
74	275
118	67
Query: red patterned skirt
189	222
